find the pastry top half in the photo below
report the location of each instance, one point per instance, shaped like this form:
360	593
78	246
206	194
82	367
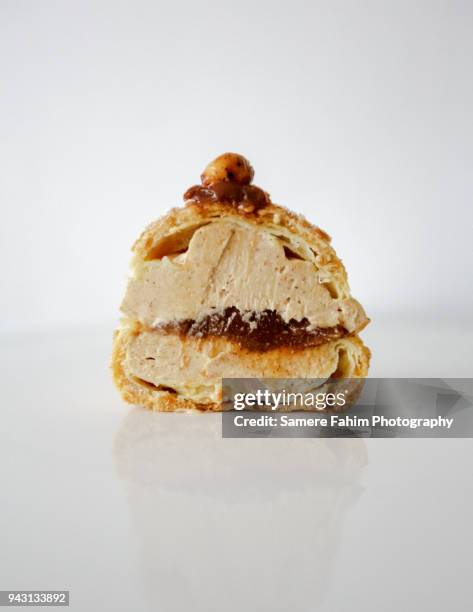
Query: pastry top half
232	274
257	273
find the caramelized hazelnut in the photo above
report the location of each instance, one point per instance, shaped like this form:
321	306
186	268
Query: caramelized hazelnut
229	167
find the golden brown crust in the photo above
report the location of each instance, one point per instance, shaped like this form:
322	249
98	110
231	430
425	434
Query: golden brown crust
164	401
273	215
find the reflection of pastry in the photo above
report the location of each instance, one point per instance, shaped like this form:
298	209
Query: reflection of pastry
232	286
256	525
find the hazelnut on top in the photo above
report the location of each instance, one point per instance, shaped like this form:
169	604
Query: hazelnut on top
228	168
227	180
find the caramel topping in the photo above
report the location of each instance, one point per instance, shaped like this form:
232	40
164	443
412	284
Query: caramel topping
227	180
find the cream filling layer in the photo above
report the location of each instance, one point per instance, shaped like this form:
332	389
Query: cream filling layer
232	263
194	367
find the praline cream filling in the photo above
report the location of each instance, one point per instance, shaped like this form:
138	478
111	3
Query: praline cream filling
231	263
194	368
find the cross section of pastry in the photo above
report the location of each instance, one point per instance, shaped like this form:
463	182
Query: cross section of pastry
232	286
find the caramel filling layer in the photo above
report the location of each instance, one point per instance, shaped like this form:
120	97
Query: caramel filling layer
256	331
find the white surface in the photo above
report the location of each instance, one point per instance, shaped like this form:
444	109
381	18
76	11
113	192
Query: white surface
131	510
357	114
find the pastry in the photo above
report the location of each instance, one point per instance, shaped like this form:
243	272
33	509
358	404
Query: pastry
232	286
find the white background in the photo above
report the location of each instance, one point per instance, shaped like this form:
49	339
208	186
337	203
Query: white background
356	114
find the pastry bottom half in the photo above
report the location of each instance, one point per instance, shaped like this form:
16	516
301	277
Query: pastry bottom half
168	372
